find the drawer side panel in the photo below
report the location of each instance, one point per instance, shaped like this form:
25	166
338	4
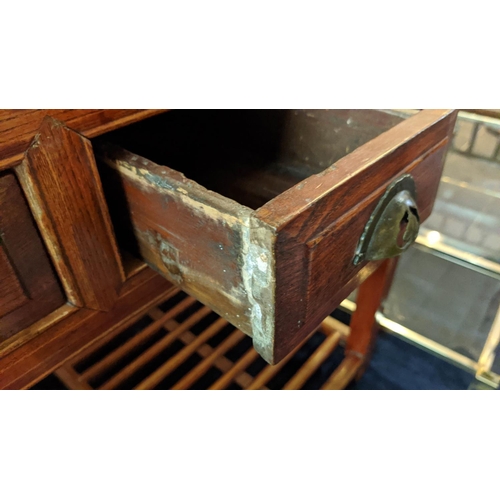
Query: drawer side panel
209	246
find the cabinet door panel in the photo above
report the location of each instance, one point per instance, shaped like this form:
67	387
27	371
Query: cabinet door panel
11	293
29	288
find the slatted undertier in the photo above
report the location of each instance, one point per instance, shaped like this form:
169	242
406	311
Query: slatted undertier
181	344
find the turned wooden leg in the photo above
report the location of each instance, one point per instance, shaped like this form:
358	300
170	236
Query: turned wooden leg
363	326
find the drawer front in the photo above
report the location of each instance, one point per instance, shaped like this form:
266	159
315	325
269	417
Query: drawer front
29	289
277	270
315	267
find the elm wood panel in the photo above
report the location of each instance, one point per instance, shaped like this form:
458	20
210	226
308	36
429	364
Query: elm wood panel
306	210
62	184
334	248
12	294
43	354
31	273
24	244
320	137
204	243
19	126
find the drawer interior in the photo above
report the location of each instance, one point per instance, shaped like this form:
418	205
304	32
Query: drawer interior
251	156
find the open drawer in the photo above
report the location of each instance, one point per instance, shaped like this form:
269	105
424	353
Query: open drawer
261	215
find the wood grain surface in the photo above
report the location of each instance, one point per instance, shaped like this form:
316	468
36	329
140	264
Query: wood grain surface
196	238
48	350
62	184
19	126
12	294
318	222
29	288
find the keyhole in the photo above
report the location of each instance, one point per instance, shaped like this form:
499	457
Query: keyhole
402	229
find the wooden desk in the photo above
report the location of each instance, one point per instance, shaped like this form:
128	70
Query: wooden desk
270	245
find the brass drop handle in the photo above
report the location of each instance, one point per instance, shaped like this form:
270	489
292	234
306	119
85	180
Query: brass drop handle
393	225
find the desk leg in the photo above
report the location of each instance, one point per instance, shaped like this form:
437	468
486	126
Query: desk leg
362	337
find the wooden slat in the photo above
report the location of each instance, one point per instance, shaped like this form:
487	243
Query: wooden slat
154	350
331	325
341	377
70	378
313	362
158	375
231	371
111	359
271	370
103	341
222	363
156	313
244	362
200	369
60	178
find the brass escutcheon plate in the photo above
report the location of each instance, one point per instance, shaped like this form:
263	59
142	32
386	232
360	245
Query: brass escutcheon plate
393	225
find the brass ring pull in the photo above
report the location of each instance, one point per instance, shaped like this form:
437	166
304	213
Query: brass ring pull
393	225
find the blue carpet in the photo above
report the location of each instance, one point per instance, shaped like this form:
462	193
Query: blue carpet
395	364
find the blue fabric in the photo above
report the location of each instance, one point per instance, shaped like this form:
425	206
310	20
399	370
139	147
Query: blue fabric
395	364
